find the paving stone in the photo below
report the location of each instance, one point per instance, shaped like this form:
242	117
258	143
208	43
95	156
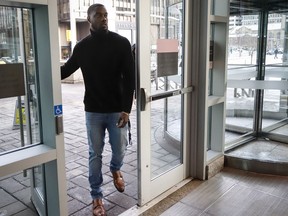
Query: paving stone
72	165
81	194
105	169
75	205
128	177
6	198
69	156
108	189
132	189
21	178
108	205
27	182
13	208
128	168
9	176
134	163
73	173
83	161
81	181
26	212
130	157
84	154
24	195
107	178
79	149
68	147
84	170
83	212
121	200
69	198
117	210
77	142
72	157
11	185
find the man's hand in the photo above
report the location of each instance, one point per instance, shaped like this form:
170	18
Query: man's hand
124	118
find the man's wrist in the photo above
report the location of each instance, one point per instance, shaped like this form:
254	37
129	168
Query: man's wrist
126	113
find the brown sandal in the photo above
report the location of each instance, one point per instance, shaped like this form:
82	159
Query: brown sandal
98	208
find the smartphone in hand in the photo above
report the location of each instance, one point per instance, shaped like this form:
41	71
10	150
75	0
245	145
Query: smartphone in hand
120	122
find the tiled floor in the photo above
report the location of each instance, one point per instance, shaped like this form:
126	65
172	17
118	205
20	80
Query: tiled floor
230	193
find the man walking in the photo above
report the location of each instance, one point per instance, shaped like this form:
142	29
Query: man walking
106	62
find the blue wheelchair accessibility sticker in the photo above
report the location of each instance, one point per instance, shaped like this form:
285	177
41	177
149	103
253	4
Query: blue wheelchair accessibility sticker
58	110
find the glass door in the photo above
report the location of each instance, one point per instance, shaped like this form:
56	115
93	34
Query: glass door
243	64
31	131
257	74
17	40
160	97
275	95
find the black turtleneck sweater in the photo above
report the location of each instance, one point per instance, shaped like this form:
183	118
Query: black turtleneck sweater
107	66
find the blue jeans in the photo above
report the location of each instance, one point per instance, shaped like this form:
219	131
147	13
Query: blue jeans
96	124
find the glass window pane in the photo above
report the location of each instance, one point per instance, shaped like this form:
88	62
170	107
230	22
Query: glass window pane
242	66
19	112
166	75
275	102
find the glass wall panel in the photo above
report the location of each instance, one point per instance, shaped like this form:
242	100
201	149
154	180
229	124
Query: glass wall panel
38	174
166	75
242	66
19	112
261	108
275	103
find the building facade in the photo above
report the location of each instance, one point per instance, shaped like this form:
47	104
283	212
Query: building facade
73	25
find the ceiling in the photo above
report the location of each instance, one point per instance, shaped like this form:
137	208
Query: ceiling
242	7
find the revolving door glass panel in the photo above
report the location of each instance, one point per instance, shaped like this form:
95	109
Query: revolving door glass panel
275	100
257	72
242	67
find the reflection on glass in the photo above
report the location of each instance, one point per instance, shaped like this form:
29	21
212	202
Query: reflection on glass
275	102
38	177
242	65
274	107
20	114
165	149
173	117
239	110
166	75
209	132
32	88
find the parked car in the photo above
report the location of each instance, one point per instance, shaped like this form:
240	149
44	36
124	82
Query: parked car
270	52
7	59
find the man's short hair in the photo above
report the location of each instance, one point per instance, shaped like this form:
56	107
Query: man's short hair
93	7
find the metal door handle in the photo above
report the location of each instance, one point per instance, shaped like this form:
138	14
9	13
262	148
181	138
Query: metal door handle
143	99
170	93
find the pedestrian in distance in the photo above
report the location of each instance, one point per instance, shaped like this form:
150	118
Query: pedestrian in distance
107	65
276	53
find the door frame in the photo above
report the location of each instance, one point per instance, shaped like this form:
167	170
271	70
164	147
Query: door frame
150	189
